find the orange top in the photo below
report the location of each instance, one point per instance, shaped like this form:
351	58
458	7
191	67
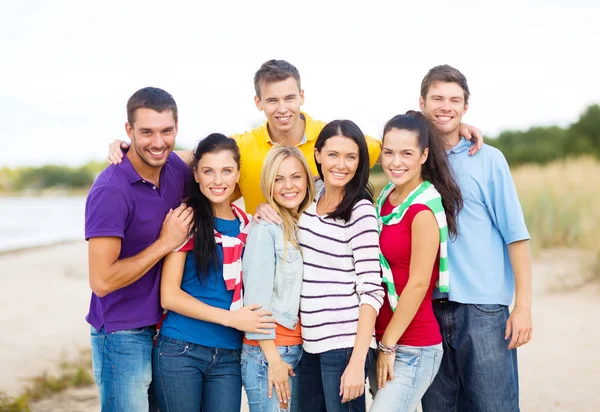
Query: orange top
283	337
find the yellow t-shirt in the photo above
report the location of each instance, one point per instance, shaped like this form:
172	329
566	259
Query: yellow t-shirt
255	144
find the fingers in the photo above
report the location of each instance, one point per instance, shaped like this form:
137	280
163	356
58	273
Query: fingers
272	217
350	393
264	312
182	211
279	391
254	307
168	215
285	393
266	321
524	337
267	213
270	386
508	330
189	220
381	375
514	340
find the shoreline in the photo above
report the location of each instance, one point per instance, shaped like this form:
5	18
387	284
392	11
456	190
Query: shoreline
25	249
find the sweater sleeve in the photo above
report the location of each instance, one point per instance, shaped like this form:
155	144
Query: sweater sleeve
363	238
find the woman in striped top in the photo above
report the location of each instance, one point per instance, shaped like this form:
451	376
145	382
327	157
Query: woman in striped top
341	289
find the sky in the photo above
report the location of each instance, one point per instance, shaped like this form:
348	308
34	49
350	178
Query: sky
67	68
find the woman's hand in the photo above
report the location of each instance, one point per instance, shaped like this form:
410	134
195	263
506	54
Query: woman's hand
352	384
249	319
278	377
385	368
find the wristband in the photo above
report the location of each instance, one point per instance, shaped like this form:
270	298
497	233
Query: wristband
388	350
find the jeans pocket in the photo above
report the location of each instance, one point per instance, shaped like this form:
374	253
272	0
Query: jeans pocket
171	349
407	362
488	309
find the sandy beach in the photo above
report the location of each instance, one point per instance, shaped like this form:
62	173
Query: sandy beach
44	295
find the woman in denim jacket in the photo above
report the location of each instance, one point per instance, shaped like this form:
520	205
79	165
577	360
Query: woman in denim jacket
272	274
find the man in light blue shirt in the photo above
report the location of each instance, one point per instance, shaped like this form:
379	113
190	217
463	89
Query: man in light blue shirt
489	261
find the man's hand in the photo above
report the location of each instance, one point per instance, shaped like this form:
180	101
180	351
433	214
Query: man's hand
474	135
519	326
385	369
265	212
177	226
250	319
115	151
352	384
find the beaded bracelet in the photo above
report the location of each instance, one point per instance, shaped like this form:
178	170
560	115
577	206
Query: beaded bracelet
388	350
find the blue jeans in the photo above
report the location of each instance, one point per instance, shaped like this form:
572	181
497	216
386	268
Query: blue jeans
320	377
478	372
122	365
191	377
255	378
415	367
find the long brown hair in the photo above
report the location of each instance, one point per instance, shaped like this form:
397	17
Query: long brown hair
436	168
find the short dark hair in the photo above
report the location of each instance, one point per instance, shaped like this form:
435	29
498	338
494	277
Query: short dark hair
358	187
446	74
150	98
275	71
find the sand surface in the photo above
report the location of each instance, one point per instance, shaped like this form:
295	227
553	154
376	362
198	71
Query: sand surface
44	295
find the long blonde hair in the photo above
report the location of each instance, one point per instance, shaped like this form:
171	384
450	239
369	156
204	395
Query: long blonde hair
289	218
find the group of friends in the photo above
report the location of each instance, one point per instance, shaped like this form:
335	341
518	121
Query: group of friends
315	285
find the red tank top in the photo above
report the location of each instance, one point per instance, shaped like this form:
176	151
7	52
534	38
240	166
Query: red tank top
395	244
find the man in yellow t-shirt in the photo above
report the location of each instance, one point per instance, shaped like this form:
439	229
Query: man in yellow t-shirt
279	95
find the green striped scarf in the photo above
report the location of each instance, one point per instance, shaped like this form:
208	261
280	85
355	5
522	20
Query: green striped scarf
427	195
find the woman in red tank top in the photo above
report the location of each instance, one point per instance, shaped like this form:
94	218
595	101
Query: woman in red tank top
417	210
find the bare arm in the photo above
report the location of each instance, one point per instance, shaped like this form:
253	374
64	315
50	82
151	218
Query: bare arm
109	273
519	324
186	155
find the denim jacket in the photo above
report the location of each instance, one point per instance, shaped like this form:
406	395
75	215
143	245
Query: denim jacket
272	278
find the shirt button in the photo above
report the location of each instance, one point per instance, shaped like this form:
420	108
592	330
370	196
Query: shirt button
154	187
143	181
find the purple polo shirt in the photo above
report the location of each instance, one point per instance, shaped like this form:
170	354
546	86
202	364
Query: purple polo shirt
122	204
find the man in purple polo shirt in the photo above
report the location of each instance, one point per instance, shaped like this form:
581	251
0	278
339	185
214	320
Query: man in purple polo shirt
133	218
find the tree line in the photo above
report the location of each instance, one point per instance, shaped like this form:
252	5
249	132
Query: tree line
544	144
536	145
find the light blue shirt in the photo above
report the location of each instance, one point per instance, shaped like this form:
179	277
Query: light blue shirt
491	219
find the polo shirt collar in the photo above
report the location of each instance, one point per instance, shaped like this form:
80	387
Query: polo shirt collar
460	147
129	171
